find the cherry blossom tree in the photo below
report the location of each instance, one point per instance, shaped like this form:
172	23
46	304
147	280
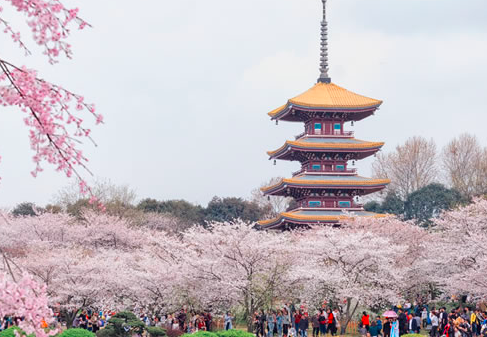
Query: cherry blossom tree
460	250
234	264
352	265
25	298
53	114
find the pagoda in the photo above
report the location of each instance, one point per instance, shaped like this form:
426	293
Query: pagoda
326	189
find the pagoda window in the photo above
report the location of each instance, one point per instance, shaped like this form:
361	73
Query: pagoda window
318	128
340	167
316	167
314	204
337	127
344	204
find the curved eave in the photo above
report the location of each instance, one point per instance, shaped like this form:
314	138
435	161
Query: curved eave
313	147
282	111
284	183
290	217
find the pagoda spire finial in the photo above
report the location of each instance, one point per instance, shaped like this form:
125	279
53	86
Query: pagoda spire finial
324	78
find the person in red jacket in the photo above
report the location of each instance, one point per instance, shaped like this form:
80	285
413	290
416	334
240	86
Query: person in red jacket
366	321
332	326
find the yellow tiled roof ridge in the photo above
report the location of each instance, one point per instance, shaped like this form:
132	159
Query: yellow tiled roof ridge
328	145
329	95
329	182
294	216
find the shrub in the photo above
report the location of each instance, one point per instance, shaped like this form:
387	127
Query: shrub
413	335
201	334
233	333
10	332
106	332
156	331
77	333
122	324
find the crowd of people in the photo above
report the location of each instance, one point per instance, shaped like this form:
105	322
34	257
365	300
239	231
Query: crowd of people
94	321
460	322
289	322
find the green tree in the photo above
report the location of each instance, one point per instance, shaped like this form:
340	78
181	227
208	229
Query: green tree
228	209
373	206
123	324
25	209
181	209
392	204
429	201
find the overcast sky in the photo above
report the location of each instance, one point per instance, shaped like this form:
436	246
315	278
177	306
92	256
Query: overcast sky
185	86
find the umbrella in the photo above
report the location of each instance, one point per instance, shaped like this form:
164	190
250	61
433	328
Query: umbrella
390	313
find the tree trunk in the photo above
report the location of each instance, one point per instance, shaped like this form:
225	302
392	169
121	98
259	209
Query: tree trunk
69	317
348	315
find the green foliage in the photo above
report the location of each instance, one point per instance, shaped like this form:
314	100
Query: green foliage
391	204
76	333
108	331
413	335
200	334
156	331
122	324
233	333
222	333
429	201
373	206
24	209
193	214
218	209
228	209
10	332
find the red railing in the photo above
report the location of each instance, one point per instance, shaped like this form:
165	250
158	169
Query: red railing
338	134
302	170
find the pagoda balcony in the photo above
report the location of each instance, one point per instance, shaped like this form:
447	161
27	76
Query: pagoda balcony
344	134
344	172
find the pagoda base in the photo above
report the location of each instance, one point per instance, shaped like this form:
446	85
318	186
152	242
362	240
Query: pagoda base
305	217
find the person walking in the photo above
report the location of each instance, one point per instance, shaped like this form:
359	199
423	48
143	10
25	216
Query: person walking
395	332
279	323
374	329
337	316
228	321
315	323
332	328
286	322
424	317
304	325
271	321
387	328
434	324
403	323
379	324
262	320
322	319
366	320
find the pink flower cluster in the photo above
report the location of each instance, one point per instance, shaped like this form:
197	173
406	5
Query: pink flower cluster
55	130
48	21
52	112
25	298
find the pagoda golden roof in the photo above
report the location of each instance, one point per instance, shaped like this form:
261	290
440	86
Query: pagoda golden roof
311	216
329	96
338	145
328	180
